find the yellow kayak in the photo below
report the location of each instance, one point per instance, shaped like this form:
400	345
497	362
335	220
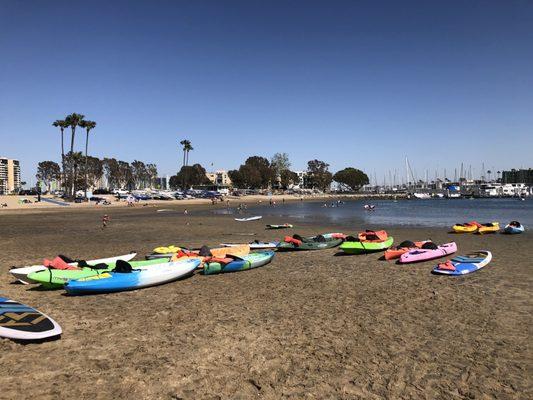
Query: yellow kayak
491	227
469	227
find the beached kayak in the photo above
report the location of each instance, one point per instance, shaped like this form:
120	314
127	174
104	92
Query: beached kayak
135	279
490	227
462	265
22	273
467	227
56	278
361	247
426	253
255	245
21	322
250	261
255	218
319	242
514	227
283	226
404	247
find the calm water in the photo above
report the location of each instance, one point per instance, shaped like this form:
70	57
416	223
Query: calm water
438	212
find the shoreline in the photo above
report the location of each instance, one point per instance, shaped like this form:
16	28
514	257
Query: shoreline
13	205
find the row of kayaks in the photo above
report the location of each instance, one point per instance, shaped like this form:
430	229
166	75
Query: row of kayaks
120	273
170	263
512	227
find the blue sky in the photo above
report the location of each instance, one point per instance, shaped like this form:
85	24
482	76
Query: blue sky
353	83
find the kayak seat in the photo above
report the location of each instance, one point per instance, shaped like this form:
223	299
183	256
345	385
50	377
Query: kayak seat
68	260
122	266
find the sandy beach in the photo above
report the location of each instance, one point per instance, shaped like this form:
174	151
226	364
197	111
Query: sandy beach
310	325
16	203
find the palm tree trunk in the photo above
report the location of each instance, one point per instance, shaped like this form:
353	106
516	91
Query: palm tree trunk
183	158
63	160
75	178
86	172
73	128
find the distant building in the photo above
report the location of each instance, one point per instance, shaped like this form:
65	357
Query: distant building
302	179
518	176
9	175
219	178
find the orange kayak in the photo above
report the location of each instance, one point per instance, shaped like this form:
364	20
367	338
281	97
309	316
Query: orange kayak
402	248
220	252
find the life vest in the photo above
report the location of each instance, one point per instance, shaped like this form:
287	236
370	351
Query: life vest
57	263
289	239
220	260
338	236
373	236
447	266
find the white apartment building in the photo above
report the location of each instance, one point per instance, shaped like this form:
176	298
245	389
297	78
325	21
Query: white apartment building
9	175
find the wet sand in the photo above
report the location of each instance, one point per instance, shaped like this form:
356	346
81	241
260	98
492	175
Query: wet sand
310	325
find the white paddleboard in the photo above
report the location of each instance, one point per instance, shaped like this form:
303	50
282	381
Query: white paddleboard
21	322
249	218
254	245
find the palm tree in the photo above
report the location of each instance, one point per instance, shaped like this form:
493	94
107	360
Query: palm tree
186	144
62	125
488	173
188	148
73	120
88	125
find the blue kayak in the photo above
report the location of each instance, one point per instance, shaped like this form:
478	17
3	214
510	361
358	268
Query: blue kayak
136	279
462	265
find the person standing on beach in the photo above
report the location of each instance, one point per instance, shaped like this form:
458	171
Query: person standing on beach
105	220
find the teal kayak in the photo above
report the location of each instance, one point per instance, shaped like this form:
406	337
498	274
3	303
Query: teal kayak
234	264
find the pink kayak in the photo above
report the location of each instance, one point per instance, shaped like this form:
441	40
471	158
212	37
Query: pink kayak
428	254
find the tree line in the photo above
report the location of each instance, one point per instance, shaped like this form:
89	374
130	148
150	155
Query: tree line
261	173
119	174
72	160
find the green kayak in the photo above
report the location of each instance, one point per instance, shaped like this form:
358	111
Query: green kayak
357	247
252	260
320	242
56	278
